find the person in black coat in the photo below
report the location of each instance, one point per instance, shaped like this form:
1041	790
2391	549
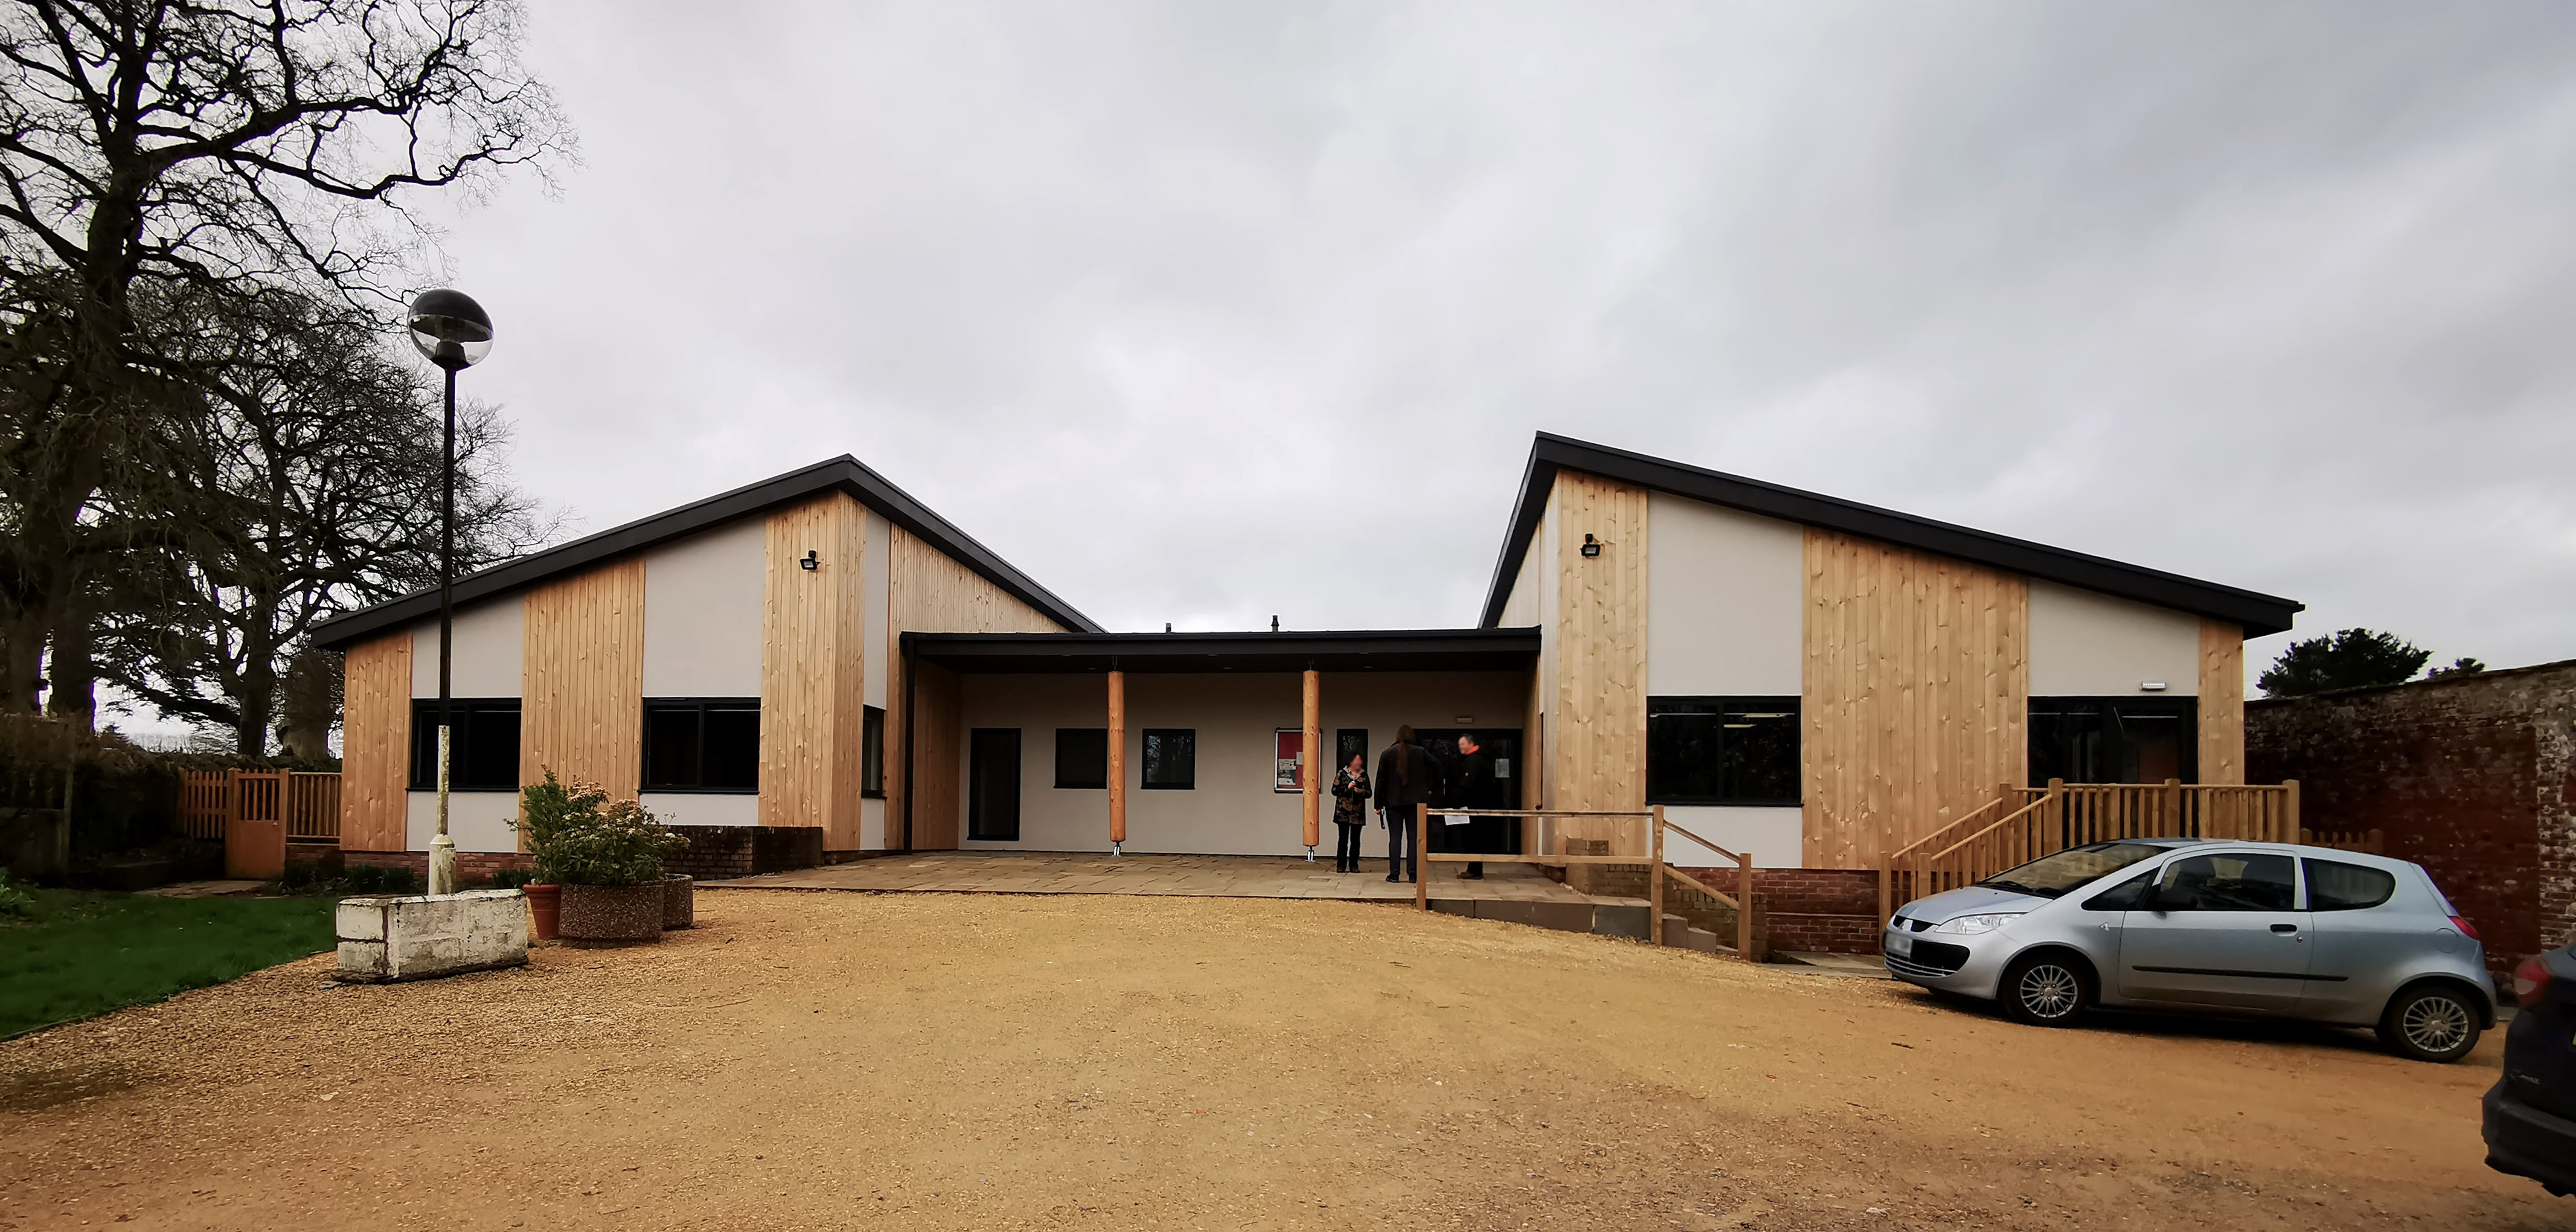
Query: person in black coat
1474	786
1350	812
1407	776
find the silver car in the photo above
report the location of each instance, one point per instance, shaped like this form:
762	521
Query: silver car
2263	929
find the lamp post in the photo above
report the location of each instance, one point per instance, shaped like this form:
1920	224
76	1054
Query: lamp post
453	332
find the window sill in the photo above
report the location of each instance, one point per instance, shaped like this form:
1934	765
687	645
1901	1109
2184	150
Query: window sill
871	795
1167	787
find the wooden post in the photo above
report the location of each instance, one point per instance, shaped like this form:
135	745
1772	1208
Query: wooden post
2290	805
1313	771
1744	908
2173	807
1421	875
2055	813
1655	895
1117	759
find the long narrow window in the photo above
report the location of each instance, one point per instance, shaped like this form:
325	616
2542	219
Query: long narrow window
1722	750
1171	759
872	752
483	744
709	744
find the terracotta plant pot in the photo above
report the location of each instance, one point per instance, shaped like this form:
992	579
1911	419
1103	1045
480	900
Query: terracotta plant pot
679	901
545	911
612	915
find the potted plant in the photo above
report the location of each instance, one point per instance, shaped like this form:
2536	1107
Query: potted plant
610	863
549	811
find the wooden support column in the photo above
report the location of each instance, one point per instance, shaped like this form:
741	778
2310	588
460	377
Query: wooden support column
1655	882
1117	759
1314	764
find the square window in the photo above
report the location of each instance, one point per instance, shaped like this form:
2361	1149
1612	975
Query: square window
1081	757
1722	750
1171	759
702	744
482	744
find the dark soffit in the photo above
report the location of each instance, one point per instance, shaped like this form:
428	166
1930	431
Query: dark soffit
2259	614
1385	650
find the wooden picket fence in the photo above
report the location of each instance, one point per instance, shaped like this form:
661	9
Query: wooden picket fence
2022	824
2367	842
309	803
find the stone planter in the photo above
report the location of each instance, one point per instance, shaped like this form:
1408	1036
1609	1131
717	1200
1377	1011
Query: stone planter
415	937
679	901
612	915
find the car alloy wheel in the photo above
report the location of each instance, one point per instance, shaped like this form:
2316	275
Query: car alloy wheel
2049	991
2434	1024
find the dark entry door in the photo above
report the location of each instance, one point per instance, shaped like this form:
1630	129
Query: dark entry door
1503	744
993	785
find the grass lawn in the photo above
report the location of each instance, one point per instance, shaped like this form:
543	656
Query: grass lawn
85	953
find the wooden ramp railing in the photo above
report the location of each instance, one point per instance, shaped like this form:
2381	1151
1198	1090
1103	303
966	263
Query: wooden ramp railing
2022	824
307	803
1659	871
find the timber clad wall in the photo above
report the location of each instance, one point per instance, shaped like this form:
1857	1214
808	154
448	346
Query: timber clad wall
2222	703
375	757
1596	736
812	663
581	708
1915	697
927	592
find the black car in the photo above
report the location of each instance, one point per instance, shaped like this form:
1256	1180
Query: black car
2531	1112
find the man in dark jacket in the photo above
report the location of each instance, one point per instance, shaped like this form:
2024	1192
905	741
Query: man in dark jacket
1407	775
1474	787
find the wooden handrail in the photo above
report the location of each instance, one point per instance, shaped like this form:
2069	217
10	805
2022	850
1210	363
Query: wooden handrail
1970	817
1701	841
1999	824
1702	886
1740	902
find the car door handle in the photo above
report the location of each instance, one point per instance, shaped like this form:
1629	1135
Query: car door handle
2285	928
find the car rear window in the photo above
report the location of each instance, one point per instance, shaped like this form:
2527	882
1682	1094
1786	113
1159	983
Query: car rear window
2336	886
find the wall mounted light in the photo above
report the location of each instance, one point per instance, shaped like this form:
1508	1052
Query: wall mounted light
1591	547
2151	686
810	563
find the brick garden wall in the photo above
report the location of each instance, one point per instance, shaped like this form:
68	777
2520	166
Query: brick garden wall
714	853
2472	777
1823	910
471	866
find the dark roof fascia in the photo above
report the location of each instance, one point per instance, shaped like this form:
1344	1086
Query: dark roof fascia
2257	613
844	473
1337	650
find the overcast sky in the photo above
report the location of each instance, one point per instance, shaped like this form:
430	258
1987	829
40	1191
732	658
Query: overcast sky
1202	312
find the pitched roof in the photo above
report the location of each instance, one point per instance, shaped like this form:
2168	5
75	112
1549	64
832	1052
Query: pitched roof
2259	614
843	474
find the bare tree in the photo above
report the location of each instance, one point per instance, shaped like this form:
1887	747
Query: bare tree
159	149
307	486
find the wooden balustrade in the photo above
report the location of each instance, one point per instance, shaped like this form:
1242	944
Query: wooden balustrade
1553	853
307	803
2044	820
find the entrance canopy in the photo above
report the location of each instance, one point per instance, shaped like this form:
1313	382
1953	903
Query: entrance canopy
1383	650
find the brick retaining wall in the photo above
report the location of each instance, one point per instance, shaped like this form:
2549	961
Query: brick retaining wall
1823	910
2473	777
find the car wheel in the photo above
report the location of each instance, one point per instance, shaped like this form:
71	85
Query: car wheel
2045	990
2430	1024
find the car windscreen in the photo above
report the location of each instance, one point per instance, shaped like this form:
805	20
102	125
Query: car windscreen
2050	876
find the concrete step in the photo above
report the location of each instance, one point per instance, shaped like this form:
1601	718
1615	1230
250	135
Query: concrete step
1679	932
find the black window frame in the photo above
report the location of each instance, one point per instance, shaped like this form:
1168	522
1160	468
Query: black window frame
1662	789
424	744
872	752
1073	754
1154	737
701	706
2060	721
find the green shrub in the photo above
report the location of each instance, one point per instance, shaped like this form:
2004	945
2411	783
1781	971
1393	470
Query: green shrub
514	878
578	836
15	902
379	879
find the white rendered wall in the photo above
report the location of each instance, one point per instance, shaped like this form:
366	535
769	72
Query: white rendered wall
1725	595
878	620
491	644
476	820
1233	810
690	808
702	613
2085	644
1769	835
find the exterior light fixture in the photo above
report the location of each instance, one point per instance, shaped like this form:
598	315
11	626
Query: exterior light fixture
1591	547
2151	686
453	332
810	563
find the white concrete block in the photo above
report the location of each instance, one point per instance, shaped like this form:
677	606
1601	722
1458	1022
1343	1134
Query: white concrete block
423	936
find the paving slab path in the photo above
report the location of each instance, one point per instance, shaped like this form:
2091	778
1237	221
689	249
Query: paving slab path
1046	1061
